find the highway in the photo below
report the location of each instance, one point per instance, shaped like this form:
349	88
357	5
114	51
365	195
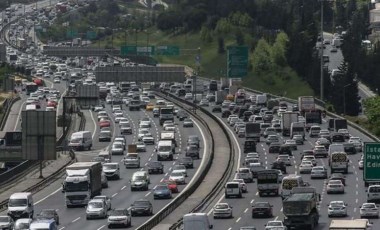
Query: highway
119	190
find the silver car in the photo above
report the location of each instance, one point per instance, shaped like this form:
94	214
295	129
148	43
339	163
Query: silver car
335	186
337	208
119	217
96	209
369	210
319	172
6	222
105	199
117	148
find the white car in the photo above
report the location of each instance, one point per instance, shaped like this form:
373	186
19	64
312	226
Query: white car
188	96
96	209
275	225
57	80
292	144
357	142
310	158
369	210
119	217
222	210
178	177
140	146
142	133
344	132
106	199
243	185
148	139
337	208
306	166
361	162
180	168
335	186
285	159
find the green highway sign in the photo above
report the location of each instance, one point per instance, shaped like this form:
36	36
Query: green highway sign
372	161
237	61
137	50
167	50
71	33
91	35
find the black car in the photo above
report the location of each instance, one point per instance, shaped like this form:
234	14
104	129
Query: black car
285	150
262	209
274	148
246	115
155	167
186	161
226	113
182	115
141	208
216	109
349	148
193	140
192	151
249	146
337	137
280	165
48	214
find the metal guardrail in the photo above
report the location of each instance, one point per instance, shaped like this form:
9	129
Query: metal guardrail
7	106
169	208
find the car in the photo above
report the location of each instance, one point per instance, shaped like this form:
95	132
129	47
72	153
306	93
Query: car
323	132
204	102
162	191
104	122
333	49
222	210
192	151
172	185
291	143
156	112
140	146
96	209
275	225
180	168
298	139
112	170
48	214
178	177
320	151
148	139
186	161
216	109
141	207
305	166
57	80
269	131
120	216
105	135
6	222
272	139
323	141
349	148
149	107
274	148
241	133
182	115
142	133
318	172
334	186
310	158
243	185
338	176
369	210
188	96
117	148
21	224
260	209
361	162
285	159
337	208
187	122
155	167
105	199
345	133
279	165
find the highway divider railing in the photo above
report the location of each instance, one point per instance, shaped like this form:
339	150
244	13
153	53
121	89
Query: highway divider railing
169	208
319	103
7	105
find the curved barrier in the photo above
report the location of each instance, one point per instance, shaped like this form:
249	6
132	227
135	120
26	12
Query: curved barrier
7	105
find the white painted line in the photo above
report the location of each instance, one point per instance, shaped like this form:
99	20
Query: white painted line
37	202
257	193
281	209
61	228
147	194
18	116
238	219
246	210
114	195
356	201
96	127
252	201
354	209
75	220
123	187
101	227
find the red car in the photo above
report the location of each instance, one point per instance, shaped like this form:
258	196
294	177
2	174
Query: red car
52	104
104	123
172	186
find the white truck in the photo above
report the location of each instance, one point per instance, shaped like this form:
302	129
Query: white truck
261	100
224	83
165	150
82	182
306	104
297	128
267	182
220	96
168	136
287	119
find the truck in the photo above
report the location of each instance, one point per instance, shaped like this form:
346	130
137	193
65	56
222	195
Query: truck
224	83
165	150
300	208
83	181
166	114
267	182
213	86
220	96
338	161
252	131
103	92
313	118
124	86
297	128
261	100
306	103
287	119
168	136
358	224
340	123
240	97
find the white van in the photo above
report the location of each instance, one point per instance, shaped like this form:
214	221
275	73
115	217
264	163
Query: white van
31	107
20	205
43	225
289	182
314	130
336	148
373	193
233	189
81	140
165	150
197	221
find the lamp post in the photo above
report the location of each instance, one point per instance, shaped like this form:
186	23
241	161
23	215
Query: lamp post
344	98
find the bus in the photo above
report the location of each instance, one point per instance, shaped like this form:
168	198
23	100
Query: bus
31	87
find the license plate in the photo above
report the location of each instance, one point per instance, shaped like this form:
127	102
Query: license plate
261	213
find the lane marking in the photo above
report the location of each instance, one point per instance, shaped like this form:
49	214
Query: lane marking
101	227
147	194
246	210
93	120
51	194
75	220
123	187
114	195
238	219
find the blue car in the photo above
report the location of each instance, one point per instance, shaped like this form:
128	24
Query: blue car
162	192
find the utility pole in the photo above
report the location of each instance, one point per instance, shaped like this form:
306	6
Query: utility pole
321	47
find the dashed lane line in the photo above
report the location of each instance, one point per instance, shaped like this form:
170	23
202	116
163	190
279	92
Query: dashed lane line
75	220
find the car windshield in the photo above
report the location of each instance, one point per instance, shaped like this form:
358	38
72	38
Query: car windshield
336	204
179	167
118	213
113	166
274	223
17	202
261	205
221	206
175	174
369	206
155	164
47	213
141	203
95	204
164	148
161	187
117	146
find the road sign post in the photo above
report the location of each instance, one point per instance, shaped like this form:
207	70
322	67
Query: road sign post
372	161
237	61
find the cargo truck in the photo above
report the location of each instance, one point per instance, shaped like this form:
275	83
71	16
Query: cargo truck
338	161
220	96
224	83
267	182
287	119
300	208
252	131
261	100
340	124
313	118
83	181
306	104
168	136
297	128
166	114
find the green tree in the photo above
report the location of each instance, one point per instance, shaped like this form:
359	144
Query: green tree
223	26
206	35
261	60
239	37
279	49
168	20
221	48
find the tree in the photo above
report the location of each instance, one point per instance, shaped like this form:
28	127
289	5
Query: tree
223	26
221	48
261	57
206	35
168	20
239	36
279	49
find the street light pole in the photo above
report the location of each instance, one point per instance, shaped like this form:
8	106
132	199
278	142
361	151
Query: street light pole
321	47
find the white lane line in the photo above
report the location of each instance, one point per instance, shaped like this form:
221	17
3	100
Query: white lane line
123	187
238	219
61	228
37	202
114	195
229	229
101	227
275	219
93	120
356	201
75	220
252	201
147	194
281	209
246	210
19	115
